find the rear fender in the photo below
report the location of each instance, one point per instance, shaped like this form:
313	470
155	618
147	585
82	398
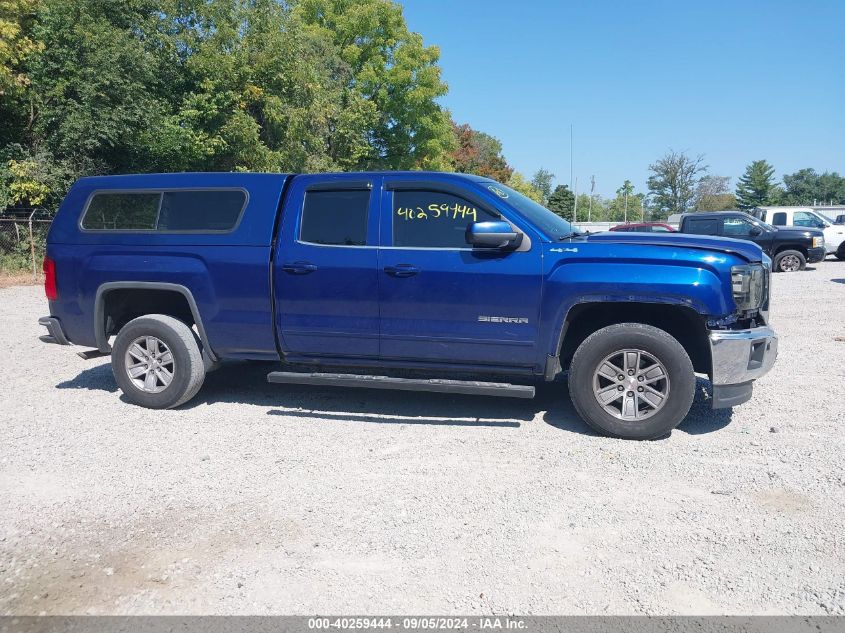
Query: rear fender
99	310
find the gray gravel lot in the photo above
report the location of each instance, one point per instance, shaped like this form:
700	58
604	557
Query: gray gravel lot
271	499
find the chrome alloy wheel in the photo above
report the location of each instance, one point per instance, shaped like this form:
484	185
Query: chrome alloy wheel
149	364
631	384
790	264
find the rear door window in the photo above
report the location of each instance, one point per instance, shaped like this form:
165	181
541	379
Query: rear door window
335	217
704	226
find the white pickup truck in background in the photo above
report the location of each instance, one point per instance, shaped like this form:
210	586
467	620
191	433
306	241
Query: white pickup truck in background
834	234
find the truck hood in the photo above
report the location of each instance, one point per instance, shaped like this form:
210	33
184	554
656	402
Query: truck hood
790	231
747	250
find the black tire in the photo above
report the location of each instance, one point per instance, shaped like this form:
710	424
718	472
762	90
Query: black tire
840	252
188	369
655	342
787	257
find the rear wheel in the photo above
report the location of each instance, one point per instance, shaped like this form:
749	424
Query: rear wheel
632	381
157	362
789	261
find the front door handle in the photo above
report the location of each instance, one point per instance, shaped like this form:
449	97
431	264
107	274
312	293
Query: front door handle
401	270
299	268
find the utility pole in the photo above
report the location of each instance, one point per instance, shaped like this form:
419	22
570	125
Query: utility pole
571	144
592	189
626	206
575	208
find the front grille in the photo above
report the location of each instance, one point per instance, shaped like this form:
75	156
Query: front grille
767	287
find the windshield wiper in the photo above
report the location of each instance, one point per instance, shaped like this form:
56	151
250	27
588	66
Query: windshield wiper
572	234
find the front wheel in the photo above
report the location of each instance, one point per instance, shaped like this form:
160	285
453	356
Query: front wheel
632	381
157	362
789	261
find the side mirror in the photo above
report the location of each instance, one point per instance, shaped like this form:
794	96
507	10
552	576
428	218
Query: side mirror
496	234
755	231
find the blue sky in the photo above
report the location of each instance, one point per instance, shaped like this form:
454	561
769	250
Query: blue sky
735	81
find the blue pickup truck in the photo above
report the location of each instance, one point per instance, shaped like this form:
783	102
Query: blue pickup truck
400	280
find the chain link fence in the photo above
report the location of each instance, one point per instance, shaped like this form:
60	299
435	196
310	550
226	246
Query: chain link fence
23	234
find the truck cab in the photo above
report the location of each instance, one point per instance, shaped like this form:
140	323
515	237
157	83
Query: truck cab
806	217
403	280
790	248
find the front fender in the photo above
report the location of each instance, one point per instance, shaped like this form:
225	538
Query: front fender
696	281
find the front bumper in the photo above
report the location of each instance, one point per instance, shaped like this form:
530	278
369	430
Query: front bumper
739	357
55	333
816	254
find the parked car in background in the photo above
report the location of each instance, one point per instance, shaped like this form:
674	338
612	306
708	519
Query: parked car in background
645	227
789	247
834	234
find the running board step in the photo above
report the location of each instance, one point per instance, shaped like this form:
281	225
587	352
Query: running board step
92	353
502	389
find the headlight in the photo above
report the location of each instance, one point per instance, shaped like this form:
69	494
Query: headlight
749	286
818	242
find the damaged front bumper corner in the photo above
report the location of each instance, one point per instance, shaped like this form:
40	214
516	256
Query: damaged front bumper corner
739	357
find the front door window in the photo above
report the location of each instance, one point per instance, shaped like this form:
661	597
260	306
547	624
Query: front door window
434	219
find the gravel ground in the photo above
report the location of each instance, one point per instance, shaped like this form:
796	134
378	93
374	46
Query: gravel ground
268	499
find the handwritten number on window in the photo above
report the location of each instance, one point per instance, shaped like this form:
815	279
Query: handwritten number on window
447	211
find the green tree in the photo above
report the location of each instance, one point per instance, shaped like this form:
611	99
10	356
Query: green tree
595	212
583	208
391	67
801	187
562	202
16	43
626	205
831	189
713	194
17	47
96	83
806	187
518	182
104	86
542	181
265	94
756	187
673	180
479	153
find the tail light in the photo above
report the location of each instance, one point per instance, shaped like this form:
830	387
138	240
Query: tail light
50	279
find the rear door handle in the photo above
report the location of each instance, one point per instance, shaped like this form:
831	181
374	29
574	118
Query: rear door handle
299	268
401	270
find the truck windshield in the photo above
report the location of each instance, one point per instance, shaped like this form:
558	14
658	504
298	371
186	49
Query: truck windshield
552	225
763	225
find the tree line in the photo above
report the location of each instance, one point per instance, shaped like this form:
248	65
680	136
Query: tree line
679	183
123	86
117	86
